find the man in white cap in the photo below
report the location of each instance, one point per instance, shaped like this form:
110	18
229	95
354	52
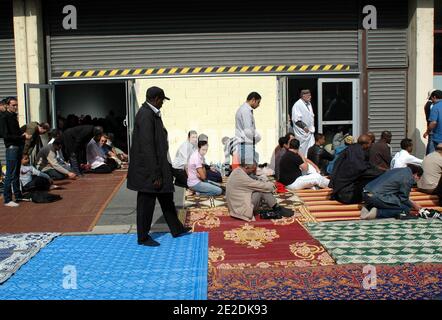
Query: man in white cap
304	121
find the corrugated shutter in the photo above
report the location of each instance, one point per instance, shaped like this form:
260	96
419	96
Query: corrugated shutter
201	33
8	82
387	48
387	98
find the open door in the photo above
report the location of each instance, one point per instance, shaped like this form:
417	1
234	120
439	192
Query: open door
40	103
131	110
338	107
284	116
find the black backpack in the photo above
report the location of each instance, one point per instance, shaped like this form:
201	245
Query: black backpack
44	197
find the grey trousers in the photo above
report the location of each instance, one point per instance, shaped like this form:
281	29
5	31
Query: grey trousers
266	196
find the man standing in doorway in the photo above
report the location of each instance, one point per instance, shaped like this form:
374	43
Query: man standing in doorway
245	129
304	121
150	172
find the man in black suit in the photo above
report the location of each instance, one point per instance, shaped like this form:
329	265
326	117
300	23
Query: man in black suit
150	172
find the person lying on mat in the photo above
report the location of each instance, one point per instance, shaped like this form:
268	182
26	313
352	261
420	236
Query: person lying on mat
291	169
197	174
388	196
352	171
244	194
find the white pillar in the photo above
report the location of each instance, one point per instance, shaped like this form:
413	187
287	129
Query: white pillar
420	72
29	53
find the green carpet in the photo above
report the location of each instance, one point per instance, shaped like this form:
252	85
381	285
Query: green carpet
382	241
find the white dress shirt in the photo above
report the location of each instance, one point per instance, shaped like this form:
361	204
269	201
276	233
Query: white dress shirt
402	158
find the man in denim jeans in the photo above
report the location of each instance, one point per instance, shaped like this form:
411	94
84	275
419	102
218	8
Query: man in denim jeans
14	142
388	196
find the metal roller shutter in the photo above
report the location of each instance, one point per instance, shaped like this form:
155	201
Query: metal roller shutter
387	97
387	48
8	83
201	33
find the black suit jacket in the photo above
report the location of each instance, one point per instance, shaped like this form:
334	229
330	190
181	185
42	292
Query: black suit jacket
76	139
148	154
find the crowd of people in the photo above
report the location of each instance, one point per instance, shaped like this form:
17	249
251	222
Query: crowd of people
360	170
77	147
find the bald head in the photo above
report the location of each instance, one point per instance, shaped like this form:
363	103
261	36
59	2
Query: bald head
372	136
365	141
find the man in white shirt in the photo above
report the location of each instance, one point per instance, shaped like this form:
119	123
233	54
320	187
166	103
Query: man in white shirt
404	157
245	129
182	156
304	121
96	156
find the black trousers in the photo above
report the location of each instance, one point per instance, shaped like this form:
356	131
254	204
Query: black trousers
37	184
180	177
55	175
110	166
145	210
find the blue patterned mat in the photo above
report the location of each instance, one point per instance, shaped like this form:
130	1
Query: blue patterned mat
17	249
114	267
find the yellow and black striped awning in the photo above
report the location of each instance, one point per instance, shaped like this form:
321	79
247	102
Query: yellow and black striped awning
179	71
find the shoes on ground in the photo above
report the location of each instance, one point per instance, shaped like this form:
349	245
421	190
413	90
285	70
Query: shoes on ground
284	211
149	242
186	230
12	204
368	214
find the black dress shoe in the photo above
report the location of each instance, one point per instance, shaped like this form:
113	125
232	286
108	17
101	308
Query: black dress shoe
186	230
149	242
284	211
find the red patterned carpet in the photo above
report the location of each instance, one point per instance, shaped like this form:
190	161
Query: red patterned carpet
237	244
346	282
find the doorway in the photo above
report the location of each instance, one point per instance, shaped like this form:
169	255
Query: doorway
335	103
97	103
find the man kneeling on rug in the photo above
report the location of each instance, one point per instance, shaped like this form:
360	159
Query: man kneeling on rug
244	194
388	196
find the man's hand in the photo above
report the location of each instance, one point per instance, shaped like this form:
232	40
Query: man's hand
72	176
306	130
426	134
27	136
157	184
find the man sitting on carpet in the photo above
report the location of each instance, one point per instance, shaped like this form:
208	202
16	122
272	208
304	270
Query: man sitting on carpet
283	145
292	166
388	196
380	152
352	171
244	194
318	155
47	162
431	181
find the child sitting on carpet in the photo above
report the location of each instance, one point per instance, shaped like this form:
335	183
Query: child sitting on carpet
32	179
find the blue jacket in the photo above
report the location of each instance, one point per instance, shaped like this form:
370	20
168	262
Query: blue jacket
393	187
